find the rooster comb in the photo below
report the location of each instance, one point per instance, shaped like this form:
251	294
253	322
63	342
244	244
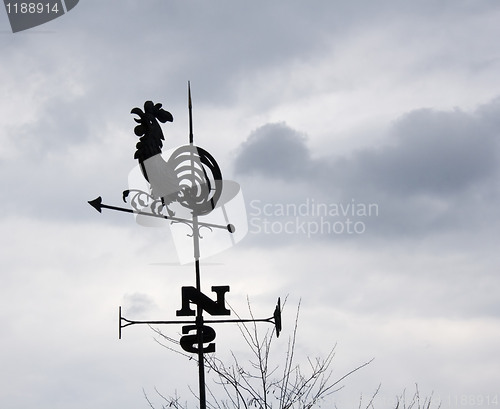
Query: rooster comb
147	118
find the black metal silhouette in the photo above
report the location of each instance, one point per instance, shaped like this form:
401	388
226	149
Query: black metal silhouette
275	319
98	205
199	178
192	178
149	130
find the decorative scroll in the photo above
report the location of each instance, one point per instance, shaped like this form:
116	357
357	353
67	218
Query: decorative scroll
141	200
199	178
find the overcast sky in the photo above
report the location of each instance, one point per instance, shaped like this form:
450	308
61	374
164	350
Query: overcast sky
365	137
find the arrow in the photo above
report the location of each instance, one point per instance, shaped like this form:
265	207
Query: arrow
98	205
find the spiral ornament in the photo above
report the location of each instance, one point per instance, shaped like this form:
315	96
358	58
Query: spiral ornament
199	177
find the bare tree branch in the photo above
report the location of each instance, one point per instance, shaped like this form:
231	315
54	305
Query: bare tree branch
263	384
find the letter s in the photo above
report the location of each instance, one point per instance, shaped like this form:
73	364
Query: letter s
189	343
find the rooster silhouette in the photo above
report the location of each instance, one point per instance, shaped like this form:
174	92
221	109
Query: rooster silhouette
159	173
190	176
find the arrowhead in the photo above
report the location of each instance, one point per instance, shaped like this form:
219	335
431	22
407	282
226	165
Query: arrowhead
96	203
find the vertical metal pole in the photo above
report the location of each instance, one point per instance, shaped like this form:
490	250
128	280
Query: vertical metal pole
196	248
199	317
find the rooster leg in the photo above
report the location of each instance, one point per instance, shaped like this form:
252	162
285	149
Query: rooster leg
165	204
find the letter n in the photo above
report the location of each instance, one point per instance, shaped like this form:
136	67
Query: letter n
192	295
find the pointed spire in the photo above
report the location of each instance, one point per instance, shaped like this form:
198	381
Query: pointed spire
190	107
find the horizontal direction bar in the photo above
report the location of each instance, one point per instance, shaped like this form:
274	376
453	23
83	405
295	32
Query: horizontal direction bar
132	322
274	319
98	205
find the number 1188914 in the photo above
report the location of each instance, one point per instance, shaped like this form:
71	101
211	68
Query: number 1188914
32	8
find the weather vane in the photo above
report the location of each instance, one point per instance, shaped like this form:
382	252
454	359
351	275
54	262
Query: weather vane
186	189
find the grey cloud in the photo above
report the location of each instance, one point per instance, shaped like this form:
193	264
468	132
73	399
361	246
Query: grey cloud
138	304
215	47
60	126
274	150
440	173
435	153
